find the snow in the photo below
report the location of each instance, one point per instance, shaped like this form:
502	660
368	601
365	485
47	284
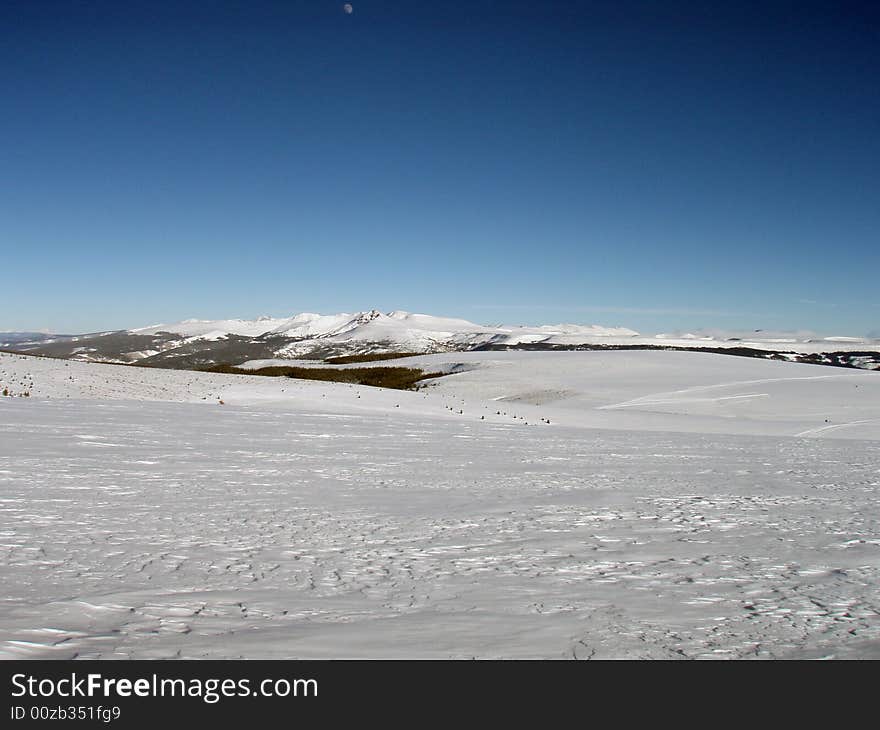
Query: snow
213	329
405	331
652	390
316	325
677	505
402	330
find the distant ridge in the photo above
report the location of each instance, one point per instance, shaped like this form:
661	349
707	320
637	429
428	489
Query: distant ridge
308	335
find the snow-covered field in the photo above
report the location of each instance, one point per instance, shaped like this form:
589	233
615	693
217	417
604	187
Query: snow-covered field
560	505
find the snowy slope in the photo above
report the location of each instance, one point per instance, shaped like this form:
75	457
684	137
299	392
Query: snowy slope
677	505
655	390
55	380
643	390
213	329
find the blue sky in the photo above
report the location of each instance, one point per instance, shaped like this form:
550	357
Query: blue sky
636	163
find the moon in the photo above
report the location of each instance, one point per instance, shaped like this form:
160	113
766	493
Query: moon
348	8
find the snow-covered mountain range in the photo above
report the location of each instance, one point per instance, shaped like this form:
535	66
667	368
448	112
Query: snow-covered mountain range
197	343
415	332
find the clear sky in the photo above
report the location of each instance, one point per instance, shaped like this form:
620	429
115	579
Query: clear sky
648	164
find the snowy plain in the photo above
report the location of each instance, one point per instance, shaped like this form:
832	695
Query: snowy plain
556	505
